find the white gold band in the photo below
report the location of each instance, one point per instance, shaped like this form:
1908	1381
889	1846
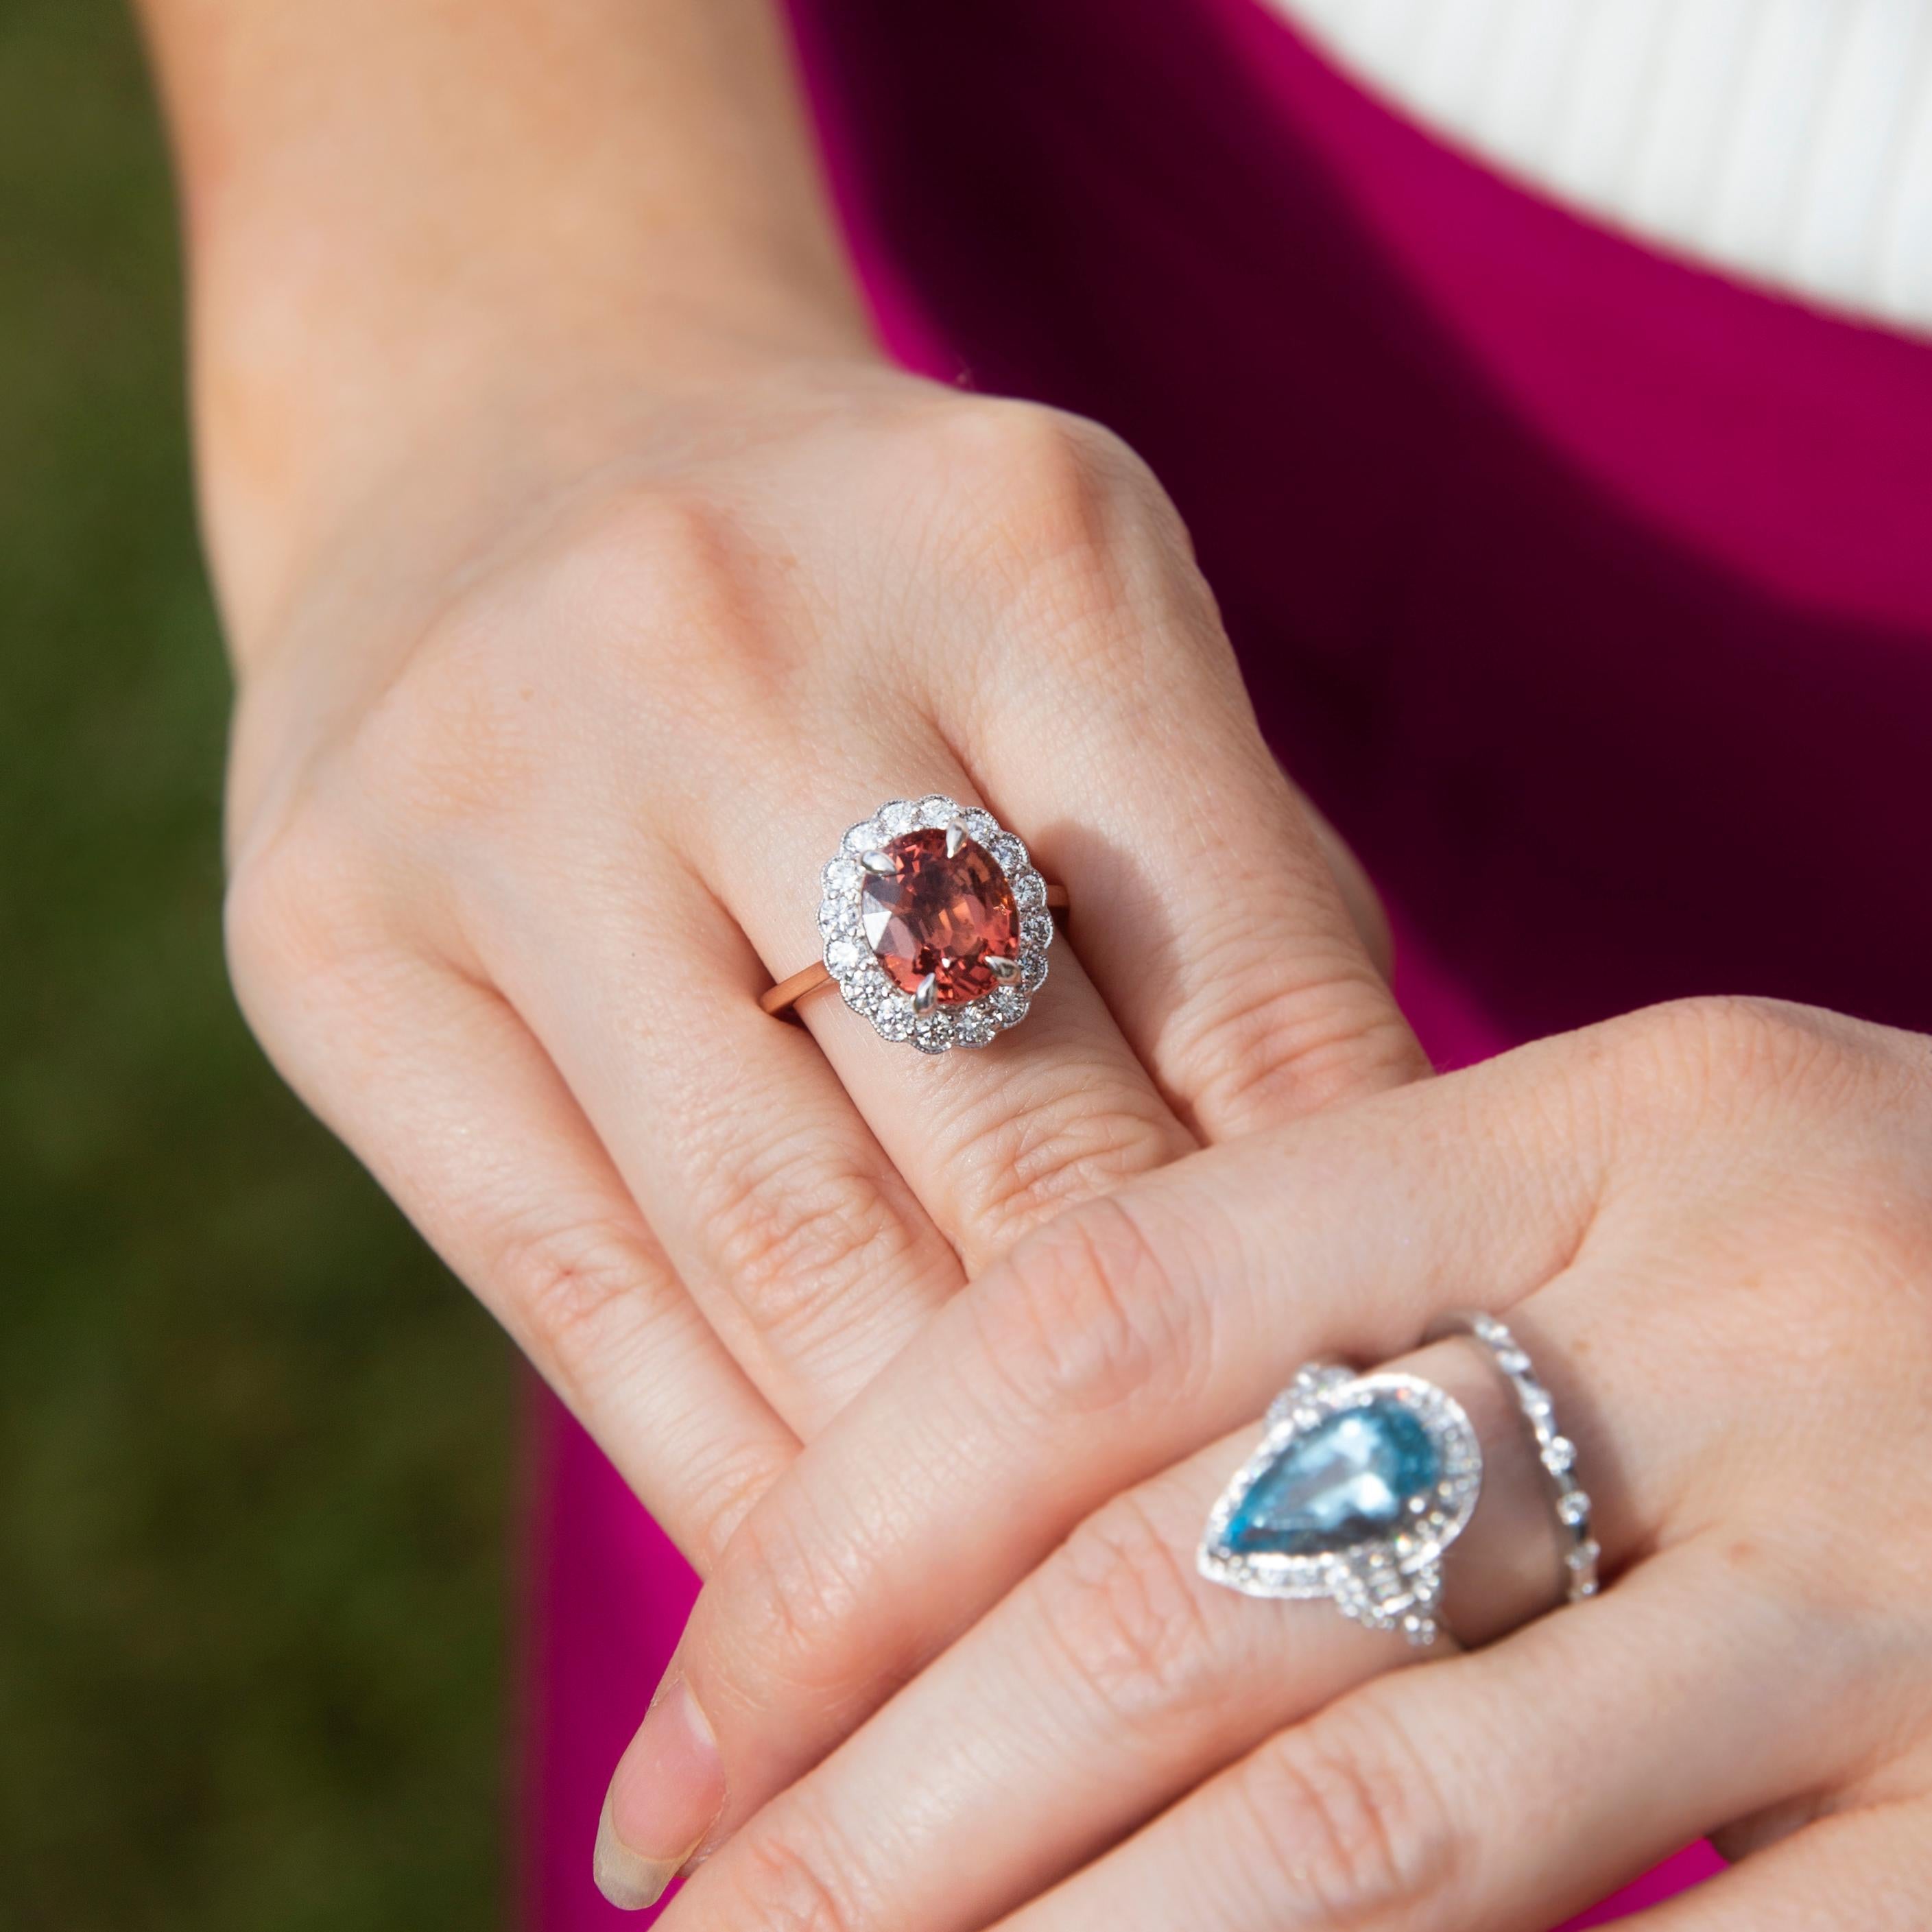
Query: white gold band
1554	1450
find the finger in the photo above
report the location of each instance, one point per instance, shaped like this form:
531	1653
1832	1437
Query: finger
1501	1790
1213	907
1504	1789
1109	1682
818	1192
808	1253
442	1093
1870	1869
1111	1346
992	1142
1367	913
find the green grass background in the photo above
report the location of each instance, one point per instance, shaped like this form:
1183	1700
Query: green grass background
254	1445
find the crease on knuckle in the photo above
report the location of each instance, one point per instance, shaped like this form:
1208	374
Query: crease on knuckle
1027	1163
1085	1318
791	1230
786	1613
1122	1611
727	1478
571	1291
1349	1813
794	1877
1263	1043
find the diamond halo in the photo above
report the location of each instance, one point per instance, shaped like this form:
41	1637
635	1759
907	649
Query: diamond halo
895	1013
1391	1582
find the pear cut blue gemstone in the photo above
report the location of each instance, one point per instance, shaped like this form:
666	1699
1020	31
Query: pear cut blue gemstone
1347	1480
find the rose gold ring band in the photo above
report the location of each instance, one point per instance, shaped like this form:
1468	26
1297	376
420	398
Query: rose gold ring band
778	1000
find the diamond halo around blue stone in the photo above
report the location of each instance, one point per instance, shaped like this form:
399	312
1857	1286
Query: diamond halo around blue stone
1359	1486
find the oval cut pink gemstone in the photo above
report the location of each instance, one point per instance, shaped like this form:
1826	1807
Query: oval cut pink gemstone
941	916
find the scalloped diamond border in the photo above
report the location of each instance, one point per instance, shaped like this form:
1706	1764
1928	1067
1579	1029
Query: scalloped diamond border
863	981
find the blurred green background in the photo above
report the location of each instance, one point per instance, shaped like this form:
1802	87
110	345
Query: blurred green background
254	1445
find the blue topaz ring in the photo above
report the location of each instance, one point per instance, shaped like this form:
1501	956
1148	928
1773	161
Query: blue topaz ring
1361	1483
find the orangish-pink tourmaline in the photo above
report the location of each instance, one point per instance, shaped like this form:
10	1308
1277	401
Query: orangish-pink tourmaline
941	916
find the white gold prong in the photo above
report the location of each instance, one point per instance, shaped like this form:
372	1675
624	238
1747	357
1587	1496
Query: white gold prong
1004	971
955	837
880	863
928	992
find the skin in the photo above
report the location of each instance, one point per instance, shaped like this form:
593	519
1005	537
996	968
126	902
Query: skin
587	572
941	1693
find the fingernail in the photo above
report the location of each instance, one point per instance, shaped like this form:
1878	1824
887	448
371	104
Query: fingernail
668	1787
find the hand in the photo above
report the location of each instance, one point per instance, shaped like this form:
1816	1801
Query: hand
533	780
1711	1225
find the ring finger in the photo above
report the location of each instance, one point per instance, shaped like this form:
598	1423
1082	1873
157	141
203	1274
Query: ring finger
991	1141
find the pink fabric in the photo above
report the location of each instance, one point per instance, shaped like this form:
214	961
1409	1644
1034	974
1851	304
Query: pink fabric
1590	593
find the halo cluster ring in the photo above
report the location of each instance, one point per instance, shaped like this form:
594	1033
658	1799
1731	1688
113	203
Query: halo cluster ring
869	990
1413	1550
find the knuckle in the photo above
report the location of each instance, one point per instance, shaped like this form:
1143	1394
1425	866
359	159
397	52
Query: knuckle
1264	1043
573	1292
726	1479
1762	1044
1726	1055
785	1613
792	1228
1122	1611
1027	1157
297	906
1013	445
791	1879
450	742
645	551
1349	1813
667	584
1085	1318
1054	530
269	926
546	644
1058	501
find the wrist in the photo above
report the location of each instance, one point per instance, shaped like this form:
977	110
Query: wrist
411	224
311	413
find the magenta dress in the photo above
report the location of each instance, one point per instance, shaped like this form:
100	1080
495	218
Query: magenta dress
1589	591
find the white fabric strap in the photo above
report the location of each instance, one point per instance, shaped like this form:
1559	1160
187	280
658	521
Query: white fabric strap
1789	140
